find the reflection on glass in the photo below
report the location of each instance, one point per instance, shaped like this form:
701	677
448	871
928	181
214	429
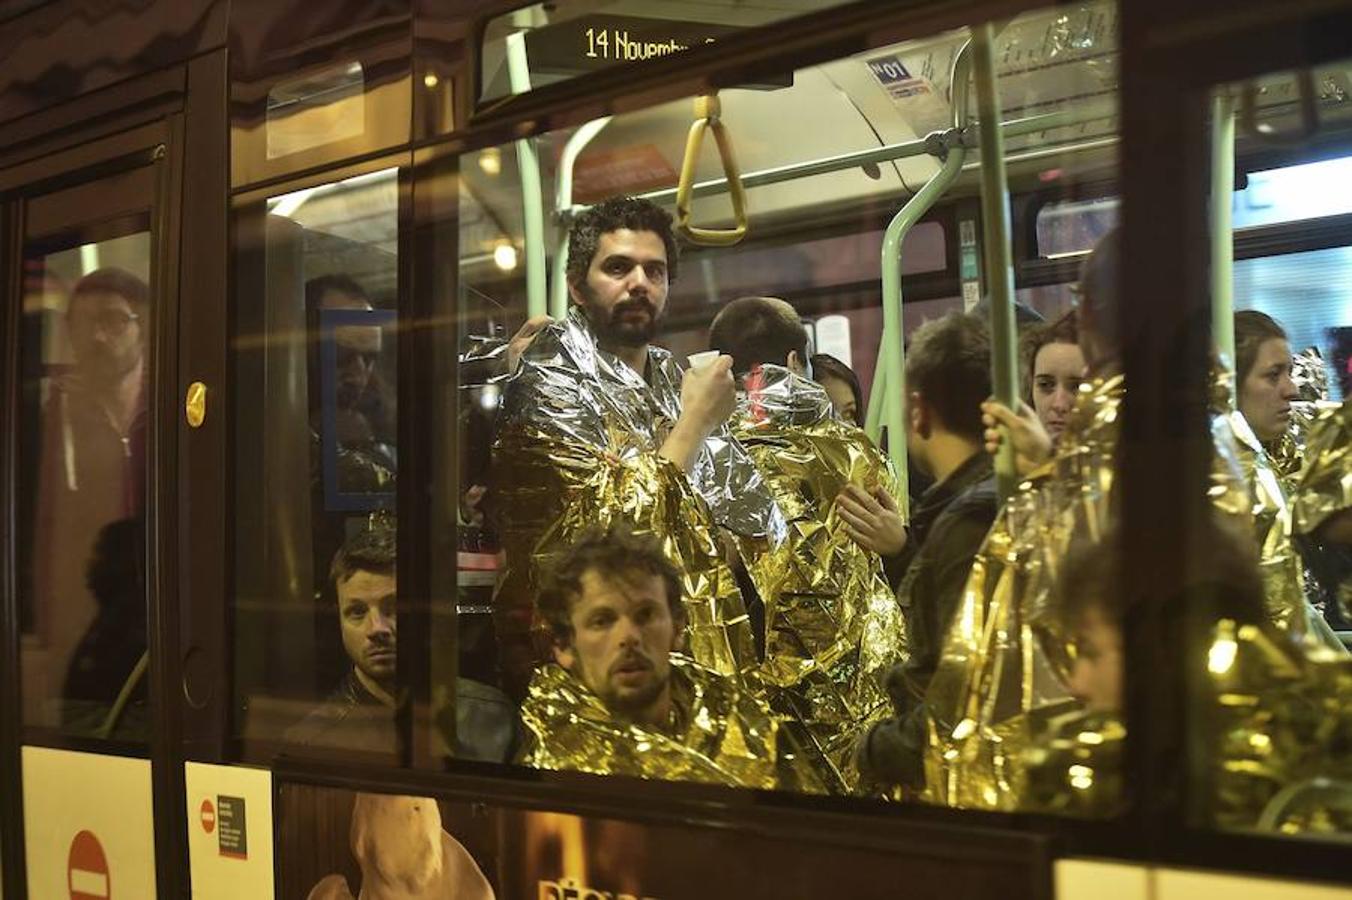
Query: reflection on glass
1274	702
86	372
316	449
318	109
338	845
359	713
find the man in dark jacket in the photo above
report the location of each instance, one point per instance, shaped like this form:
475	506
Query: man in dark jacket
947	378
359	713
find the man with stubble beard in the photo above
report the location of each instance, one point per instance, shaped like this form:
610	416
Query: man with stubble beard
359	713
597	422
93	439
620	698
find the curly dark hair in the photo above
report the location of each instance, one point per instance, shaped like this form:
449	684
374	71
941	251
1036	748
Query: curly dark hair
373	549
612	214
616	551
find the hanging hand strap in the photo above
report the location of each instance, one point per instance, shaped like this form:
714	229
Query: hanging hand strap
708	117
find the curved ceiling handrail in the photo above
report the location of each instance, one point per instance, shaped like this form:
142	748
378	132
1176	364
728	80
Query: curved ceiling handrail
708	117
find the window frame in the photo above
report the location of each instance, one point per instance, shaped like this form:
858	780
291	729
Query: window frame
1148	833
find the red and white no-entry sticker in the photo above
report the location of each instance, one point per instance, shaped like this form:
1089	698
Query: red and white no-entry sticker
208	817
87	869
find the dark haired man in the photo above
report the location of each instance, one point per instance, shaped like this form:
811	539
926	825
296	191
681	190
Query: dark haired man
352	449
596	421
359	713
947	378
362	426
832	627
93	465
358	347
618	700
758	331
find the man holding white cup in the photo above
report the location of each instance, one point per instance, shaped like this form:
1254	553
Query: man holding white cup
591	418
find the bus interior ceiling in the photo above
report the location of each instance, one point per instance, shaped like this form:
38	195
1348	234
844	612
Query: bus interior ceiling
815	238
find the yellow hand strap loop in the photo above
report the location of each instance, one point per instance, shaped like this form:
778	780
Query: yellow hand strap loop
708	117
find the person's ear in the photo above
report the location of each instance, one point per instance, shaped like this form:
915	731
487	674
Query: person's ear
575	294
564	654
919	415
794	363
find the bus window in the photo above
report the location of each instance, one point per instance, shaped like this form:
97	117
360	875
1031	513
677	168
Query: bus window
1293	193
1310	294
87	332
657	556
1074	226
315	361
1272	706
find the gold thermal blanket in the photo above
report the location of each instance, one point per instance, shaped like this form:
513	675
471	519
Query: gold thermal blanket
1002	675
1311	381
1324	486
833	625
718	733
1278	561
1279	725
577	446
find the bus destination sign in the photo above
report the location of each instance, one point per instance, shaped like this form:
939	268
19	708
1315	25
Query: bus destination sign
590	43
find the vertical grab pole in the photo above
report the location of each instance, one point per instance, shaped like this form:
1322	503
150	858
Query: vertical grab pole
532	194
563	206
887	398
1222	227
995	230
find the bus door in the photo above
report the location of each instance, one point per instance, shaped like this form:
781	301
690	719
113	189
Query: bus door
89	267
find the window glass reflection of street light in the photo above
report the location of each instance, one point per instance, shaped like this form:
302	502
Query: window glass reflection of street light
504	255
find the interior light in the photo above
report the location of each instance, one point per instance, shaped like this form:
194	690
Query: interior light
89	258
1221	657
504	255
490	161
287	206
489	397
431	80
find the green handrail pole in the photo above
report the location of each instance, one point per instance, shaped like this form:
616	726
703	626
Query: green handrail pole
563	203
532	193
873	415
995	230
887	398
1222	227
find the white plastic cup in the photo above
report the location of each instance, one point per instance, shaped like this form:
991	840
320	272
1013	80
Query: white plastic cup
700	360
